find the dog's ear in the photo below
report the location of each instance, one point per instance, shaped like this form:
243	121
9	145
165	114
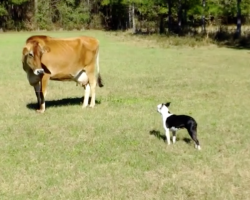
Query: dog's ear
167	104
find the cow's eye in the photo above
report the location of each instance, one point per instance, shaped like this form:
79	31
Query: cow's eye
31	54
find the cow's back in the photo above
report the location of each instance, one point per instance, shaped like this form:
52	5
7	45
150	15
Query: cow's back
67	54
90	43
42	39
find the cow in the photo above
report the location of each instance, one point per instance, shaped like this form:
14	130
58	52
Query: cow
47	58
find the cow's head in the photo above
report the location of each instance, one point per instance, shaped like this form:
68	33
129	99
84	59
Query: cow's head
32	54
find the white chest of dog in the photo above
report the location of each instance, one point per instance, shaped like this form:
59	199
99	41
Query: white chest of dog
173	122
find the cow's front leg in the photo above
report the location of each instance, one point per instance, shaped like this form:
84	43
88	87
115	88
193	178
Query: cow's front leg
40	98
86	96
37	89
40	89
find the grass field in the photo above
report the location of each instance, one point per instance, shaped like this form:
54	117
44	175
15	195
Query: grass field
109	152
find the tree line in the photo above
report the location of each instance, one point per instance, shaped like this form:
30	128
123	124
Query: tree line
157	16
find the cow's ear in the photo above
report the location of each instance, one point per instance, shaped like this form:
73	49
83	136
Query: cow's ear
25	51
44	49
167	104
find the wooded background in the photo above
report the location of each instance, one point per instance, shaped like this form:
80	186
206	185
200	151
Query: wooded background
145	16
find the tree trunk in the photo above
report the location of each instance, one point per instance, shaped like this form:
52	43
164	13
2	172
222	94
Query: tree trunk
184	23
35	12
238	31
129	17
169	16
180	17
161	25
203	17
133	18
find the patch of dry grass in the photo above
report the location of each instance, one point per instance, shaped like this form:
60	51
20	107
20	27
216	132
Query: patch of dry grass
108	152
162	41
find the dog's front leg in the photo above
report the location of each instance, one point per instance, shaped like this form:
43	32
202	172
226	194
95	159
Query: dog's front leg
174	136
167	136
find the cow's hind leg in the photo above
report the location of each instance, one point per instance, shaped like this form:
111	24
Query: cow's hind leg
92	83
192	130
86	96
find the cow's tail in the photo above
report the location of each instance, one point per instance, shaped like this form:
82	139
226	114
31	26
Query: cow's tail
99	78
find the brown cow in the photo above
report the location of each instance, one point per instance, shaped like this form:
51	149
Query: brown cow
61	59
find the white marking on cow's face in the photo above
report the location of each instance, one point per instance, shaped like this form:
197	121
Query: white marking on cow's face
38	71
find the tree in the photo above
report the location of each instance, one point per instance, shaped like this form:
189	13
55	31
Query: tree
180	16
238	30
203	16
12	12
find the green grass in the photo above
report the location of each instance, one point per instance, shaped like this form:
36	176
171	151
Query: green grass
108	152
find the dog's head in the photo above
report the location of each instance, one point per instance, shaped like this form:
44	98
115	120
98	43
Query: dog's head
163	108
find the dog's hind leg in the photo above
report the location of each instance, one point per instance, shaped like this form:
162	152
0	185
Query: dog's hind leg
167	136
192	130
174	136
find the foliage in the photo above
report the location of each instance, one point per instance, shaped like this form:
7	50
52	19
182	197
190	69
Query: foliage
70	14
3	10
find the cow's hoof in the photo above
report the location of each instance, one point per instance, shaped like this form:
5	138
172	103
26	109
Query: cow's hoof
92	106
40	111
83	107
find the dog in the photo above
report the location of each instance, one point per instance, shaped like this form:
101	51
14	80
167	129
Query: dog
174	122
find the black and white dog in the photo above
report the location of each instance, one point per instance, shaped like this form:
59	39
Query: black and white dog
174	122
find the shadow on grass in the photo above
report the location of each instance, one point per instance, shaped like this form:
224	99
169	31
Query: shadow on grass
235	43
187	140
61	102
158	135
223	36
226	38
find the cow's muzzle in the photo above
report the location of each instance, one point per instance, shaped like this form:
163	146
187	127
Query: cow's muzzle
38	71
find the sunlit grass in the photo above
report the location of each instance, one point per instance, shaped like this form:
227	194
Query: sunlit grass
108	152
